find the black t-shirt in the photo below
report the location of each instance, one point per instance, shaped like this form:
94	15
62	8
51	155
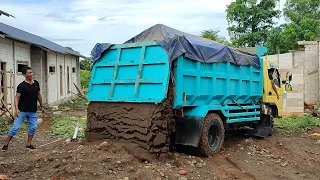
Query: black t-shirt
29	96
270	77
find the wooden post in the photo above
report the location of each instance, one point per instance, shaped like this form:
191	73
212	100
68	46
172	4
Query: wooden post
11	92
14	68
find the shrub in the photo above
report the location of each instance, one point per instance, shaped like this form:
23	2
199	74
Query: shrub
84	78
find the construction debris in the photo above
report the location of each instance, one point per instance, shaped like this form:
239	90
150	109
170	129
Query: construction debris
315	136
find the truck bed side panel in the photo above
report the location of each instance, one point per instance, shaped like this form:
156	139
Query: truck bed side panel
201	87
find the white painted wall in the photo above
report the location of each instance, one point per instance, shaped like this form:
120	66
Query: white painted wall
22	52
68	63
52	78
65	61
38	65
10	50
71	62
6	55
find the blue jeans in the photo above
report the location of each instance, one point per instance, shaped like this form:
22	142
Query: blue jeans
32	118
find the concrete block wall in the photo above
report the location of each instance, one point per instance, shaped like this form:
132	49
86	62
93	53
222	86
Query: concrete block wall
298	59
311	74
293	102
304	66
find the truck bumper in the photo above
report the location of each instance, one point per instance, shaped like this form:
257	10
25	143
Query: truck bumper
188	131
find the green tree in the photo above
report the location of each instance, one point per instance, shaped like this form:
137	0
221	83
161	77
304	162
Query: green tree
214	35
275	40
86	64
85	78
250	20
300	10
303	22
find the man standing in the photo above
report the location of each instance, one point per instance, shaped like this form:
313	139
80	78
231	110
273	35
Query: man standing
28	93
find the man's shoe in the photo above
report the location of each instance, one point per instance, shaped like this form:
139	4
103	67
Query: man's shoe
5	148
30	147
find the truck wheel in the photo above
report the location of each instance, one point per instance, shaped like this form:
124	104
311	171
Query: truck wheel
212	135
272	124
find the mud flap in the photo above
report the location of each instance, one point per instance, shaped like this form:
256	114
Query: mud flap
263	128
188	131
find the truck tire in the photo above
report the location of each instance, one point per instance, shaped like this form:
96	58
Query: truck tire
212	135
272	124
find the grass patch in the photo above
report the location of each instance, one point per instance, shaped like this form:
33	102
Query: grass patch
6	124
297	124
64	126
74	103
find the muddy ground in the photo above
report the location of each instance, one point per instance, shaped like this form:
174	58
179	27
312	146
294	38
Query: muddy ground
281	156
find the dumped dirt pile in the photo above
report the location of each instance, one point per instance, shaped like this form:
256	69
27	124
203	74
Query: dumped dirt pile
92	160
148	125
283	155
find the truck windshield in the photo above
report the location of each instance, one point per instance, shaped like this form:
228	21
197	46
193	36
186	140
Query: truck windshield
276	78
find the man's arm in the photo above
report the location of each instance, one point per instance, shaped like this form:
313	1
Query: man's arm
16	103
40	99
39	96
275	89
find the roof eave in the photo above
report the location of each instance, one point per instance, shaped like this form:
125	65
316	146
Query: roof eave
62	52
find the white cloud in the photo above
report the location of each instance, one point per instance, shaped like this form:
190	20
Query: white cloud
83	23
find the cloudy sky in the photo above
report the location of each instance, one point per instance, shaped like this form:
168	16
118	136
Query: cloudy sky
83	23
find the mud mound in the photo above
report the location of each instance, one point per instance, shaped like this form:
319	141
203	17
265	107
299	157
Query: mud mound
145	124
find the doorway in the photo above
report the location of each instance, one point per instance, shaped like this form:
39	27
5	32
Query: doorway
61	82
3	77
68	80
4	87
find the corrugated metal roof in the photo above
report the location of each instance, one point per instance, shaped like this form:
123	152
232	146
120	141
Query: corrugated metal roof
5	14
18	34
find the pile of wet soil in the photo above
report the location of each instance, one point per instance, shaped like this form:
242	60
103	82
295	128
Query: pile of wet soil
147	125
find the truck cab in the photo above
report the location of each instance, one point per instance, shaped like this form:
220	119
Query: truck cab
269	95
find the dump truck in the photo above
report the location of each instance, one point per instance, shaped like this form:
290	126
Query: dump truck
161	89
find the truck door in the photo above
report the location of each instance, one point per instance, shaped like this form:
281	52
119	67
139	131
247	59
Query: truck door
271	95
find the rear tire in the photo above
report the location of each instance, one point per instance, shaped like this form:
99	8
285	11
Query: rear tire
272	124
212	135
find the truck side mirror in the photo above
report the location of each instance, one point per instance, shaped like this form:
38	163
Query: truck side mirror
288	87
289	76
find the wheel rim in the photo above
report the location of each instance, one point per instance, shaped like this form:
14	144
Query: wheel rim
213	136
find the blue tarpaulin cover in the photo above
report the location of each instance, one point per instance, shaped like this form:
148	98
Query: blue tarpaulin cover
178	43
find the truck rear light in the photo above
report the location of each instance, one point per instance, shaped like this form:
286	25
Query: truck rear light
178	113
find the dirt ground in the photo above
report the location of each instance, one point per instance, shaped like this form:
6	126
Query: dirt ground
281	156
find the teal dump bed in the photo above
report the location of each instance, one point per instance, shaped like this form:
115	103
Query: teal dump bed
136	72
218	86
139	73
